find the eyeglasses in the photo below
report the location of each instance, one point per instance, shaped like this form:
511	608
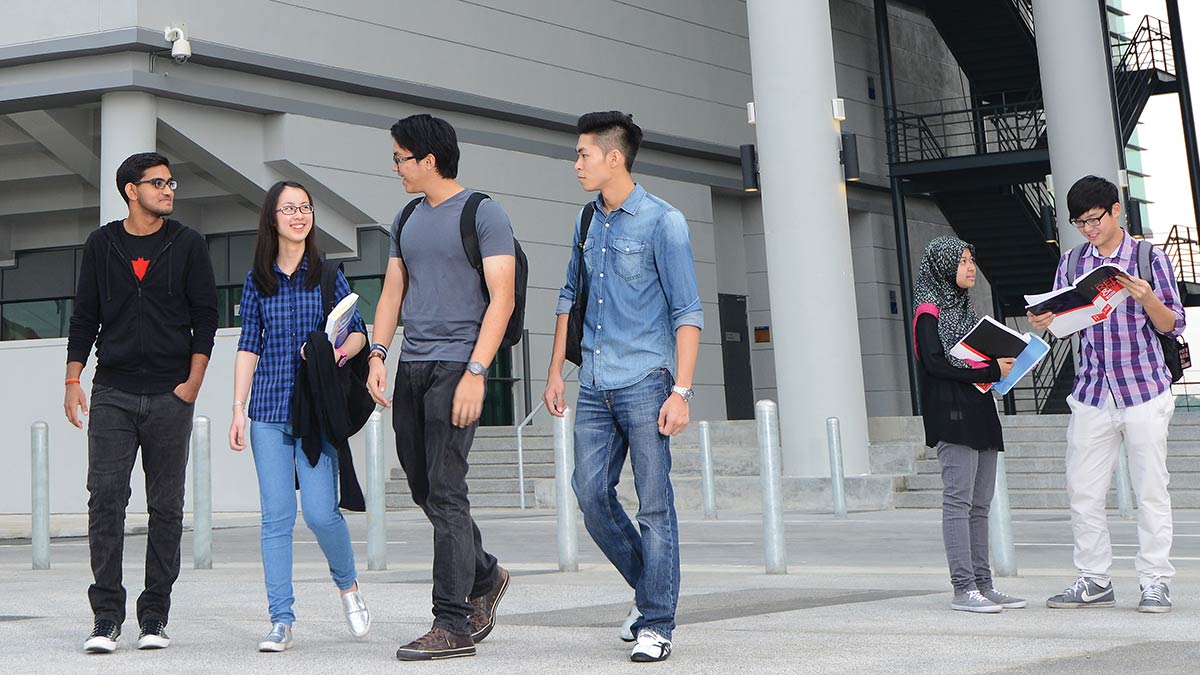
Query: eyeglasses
1081	223
291	209
159	183
397	160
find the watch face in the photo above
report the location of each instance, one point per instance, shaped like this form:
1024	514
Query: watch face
476	368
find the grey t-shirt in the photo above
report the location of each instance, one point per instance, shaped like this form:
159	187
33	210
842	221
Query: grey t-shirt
443	305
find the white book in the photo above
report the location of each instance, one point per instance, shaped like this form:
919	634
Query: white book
337	325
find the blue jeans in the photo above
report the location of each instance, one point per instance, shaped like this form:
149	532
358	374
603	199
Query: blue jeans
607	425
280	461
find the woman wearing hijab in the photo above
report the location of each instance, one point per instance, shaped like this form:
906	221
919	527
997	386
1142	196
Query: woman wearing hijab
960	421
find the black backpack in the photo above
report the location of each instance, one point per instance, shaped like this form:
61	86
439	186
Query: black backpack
470	241
1175	350
358	400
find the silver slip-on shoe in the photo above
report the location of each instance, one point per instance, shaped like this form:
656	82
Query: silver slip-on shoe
278	640
358	617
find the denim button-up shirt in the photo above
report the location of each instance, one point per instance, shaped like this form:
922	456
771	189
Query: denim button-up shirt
640	278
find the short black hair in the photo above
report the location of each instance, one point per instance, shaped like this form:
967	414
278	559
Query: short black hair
424	135
1091	192
135	166
613	129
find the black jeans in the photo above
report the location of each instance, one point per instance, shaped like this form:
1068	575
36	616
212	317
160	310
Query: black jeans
119	423
433	453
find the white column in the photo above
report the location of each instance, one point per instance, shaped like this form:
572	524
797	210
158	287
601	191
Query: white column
814	317
1074	69
128	125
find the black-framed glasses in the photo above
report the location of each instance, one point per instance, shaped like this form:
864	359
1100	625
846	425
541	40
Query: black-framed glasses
1081	223
291	209
398	160
159	183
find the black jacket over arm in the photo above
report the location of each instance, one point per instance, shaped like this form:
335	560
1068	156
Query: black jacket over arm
955	411
319	411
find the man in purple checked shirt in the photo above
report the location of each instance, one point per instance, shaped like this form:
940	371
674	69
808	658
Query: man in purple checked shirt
1122	393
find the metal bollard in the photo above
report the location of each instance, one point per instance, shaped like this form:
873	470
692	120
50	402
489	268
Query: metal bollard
376	500
201	495
833	431
1000	534
766	414
39	441
707	486
1124	486
564	498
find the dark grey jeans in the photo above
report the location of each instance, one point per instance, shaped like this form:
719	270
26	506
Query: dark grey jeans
433	453
119	423
968	483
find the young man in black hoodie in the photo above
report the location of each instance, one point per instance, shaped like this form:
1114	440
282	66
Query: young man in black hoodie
148	300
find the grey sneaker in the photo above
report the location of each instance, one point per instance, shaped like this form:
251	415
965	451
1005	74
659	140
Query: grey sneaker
973	601
627	625
278	640
1156	598
1084	592
1004	600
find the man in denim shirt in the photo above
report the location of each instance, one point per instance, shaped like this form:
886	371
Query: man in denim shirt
642	324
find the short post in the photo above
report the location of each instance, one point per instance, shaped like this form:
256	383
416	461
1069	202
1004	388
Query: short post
39	437
1000	534
376	499
833	432
1124	486
707	486
564	498
766	414
201	495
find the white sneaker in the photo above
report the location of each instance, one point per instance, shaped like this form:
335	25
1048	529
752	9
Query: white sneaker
627	625
358	617
650	647
278	640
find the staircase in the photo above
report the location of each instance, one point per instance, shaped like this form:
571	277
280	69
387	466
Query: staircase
992	41
492	479
1036	466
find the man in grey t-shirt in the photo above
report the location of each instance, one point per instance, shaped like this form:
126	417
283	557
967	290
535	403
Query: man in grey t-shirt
451	334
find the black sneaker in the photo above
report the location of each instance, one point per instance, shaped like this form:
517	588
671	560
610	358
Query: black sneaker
103	639
438	643
483	616
154	635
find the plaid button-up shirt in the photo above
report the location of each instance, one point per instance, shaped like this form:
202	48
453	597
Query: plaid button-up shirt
274	328
1122	355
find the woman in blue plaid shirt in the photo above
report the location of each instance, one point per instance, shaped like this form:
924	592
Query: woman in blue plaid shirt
281	304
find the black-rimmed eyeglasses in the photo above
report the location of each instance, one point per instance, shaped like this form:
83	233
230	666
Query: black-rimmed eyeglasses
291	209
159	183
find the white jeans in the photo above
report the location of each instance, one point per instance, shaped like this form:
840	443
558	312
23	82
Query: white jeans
1094	438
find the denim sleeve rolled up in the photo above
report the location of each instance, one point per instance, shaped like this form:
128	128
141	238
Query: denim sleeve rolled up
640	277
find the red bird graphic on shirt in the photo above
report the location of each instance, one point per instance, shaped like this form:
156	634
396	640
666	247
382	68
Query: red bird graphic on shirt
140	265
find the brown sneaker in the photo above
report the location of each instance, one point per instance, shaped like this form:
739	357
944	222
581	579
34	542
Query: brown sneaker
438	643
483	618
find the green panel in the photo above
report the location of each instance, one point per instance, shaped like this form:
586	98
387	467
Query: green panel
498	400
368	289
36	319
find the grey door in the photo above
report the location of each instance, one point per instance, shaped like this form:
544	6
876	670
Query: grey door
735	354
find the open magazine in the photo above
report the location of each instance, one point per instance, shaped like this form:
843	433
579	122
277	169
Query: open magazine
337	325
1087	303
990	340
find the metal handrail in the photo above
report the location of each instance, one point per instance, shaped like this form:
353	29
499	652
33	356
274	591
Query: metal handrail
521	440
956	128
1181	247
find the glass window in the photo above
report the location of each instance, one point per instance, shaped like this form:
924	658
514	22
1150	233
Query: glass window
36	319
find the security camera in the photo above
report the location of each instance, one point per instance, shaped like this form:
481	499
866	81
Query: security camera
181	49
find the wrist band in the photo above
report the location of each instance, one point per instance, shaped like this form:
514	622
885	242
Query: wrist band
74	380
241	403
380	348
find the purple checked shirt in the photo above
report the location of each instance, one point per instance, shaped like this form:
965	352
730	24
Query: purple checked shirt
1122	355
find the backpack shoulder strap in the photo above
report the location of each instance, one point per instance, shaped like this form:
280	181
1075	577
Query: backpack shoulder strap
329	272
403	217
467	228
585	222
1144	269
1073	262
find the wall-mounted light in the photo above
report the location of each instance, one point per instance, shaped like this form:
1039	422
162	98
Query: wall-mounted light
750	116
1050	183
1123	178
1048	225
849	156
749	168
839	109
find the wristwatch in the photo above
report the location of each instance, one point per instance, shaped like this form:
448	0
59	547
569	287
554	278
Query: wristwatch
342	357
685	393
476	368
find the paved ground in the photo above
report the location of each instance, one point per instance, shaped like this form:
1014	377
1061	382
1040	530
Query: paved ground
868	594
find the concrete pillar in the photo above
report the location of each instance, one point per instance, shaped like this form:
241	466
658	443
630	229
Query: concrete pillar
814	316
128	125
1075	69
